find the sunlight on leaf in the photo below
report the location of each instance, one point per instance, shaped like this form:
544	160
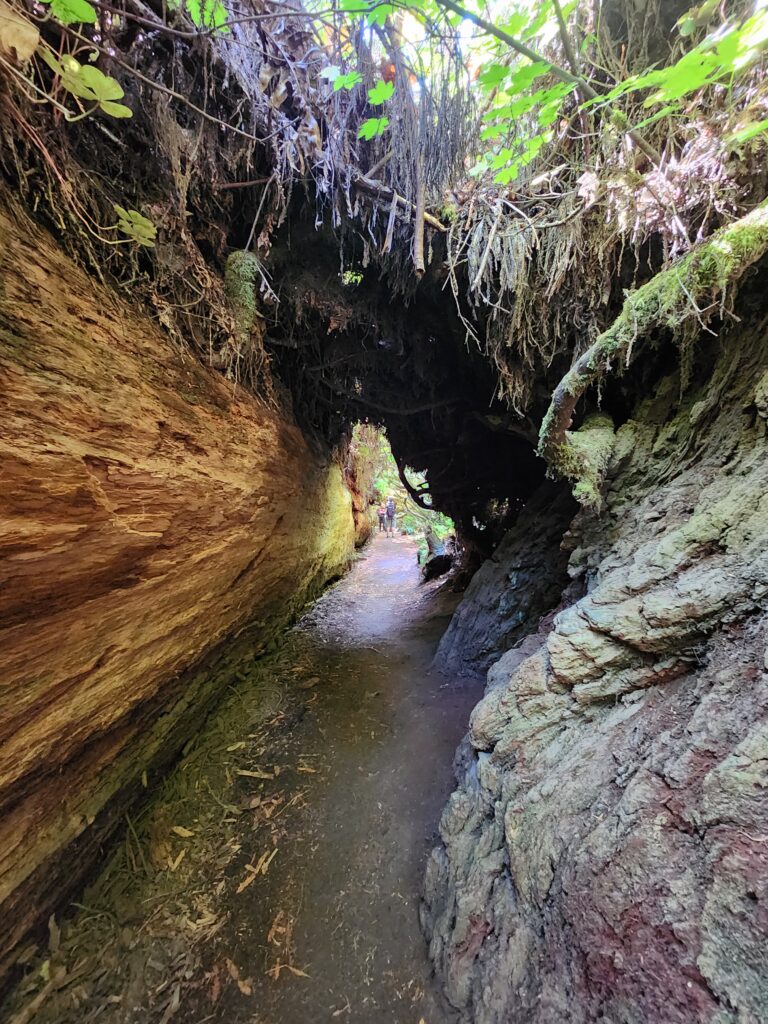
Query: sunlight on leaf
373	127
70	12
381	92
348	81
136	226
208	14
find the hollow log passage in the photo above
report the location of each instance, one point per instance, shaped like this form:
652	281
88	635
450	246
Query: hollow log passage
460	309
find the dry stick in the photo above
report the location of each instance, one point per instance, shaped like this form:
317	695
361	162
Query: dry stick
565	39
557	71
242	184
373	171
391	196
387	246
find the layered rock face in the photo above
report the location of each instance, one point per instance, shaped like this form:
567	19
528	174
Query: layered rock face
148	509
605	856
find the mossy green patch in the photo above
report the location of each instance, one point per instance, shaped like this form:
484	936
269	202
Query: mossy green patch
240	275
678	299
590	451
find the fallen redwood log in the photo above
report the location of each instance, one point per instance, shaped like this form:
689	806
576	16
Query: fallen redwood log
148	510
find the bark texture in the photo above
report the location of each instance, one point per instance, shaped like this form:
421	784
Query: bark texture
148	509
605	855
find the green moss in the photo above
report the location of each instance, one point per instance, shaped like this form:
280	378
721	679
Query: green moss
589	452
676	298
240	275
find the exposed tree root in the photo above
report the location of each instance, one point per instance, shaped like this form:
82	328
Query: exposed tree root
692	288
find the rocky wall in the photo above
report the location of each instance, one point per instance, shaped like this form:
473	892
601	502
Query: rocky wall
605	855
148	509
522	581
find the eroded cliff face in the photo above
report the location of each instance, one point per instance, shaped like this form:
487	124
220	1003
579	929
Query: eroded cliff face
148	510
605	855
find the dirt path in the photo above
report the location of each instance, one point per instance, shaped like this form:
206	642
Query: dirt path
274	876
380	736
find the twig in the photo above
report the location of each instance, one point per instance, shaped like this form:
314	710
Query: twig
566	39
373	171
391	196
241	184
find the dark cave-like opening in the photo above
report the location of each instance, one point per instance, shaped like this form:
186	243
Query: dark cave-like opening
347	348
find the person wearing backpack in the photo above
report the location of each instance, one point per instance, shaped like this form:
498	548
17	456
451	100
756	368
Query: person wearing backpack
382	514
390	510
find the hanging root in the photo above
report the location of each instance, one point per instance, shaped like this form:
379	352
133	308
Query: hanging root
689	288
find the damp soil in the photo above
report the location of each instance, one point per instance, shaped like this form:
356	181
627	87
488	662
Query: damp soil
275	877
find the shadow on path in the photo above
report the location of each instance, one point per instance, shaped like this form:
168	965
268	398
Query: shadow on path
378	740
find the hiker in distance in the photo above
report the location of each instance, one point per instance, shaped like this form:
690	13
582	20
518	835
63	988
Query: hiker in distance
390	510
382	513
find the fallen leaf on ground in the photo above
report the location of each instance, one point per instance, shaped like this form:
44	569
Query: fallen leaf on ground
309	683
263	863
173	864
251	877
254	774
274	971
277	929
185	833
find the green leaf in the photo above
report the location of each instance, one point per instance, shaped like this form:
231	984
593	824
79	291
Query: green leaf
749	132
379	13
494	131
544	12
525	75
69	69
372	128
492	76
102	86
514	26
70	12
671	108
381	92
348	81
509	162
136	226
209	14
115	109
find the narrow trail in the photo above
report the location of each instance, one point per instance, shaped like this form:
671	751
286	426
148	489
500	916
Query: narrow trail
274	876
340	900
